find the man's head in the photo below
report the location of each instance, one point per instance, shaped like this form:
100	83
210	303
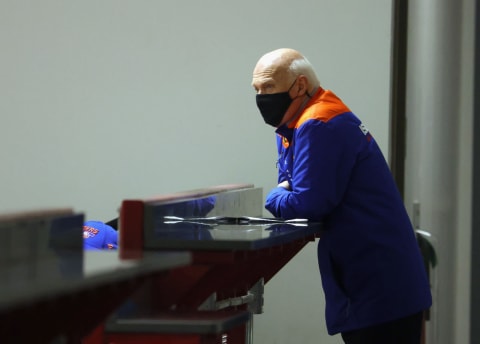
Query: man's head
282	78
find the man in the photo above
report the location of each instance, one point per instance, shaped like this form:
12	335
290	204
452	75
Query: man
330	169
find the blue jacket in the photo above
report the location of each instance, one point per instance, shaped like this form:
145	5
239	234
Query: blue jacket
99	236
370	264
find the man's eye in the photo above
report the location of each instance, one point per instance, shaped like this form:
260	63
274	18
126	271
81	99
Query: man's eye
268	88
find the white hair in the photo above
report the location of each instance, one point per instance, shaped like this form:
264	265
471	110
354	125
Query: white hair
301	66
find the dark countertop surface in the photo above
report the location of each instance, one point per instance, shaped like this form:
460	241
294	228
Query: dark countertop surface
211	236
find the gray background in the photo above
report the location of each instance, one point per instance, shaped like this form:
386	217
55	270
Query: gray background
107	100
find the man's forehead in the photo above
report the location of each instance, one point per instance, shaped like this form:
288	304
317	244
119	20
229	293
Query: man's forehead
267	74
271	69
261	81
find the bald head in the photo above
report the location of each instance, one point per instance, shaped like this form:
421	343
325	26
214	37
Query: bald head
276	70
277	62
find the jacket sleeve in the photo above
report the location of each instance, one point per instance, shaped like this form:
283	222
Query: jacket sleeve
324	156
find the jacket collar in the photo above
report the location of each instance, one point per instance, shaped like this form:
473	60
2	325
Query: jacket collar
286	130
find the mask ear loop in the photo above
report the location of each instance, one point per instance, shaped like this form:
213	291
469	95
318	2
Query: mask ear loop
302	106
290	88
300	109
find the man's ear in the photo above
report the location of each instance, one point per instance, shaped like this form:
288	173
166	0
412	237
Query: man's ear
302	85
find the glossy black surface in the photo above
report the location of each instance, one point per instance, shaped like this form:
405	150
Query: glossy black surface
219	222
224	236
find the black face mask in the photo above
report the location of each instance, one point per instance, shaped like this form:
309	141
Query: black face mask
273	106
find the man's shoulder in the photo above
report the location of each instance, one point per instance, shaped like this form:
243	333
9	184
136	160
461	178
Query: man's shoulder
332	121
323	107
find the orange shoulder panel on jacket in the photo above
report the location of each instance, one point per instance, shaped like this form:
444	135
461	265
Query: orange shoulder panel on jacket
323	106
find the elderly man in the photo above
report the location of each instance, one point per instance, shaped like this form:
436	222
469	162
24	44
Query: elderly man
330	169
